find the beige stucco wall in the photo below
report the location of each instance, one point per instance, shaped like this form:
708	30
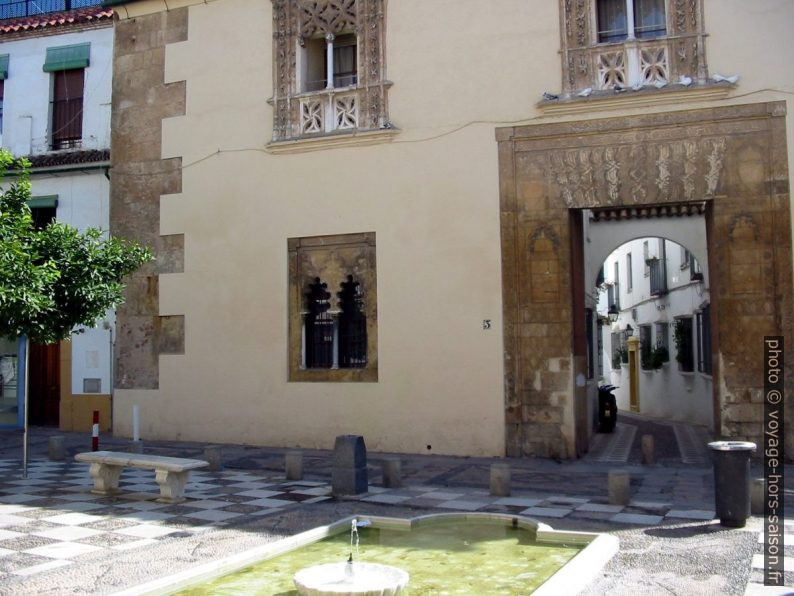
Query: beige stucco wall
460	69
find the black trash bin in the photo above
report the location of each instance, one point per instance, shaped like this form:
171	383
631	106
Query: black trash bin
732	481
607	409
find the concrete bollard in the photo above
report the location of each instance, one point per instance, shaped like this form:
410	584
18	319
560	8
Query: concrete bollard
135	447
57	448
648	450
392	471
293	465
619	483
500	480
757	496
214	457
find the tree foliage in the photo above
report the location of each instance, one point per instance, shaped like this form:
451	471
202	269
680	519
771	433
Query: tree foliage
55	279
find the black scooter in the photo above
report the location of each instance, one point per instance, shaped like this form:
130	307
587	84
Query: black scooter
607	409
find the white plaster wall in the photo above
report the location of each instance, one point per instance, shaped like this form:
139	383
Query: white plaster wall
26	101
83	203
665	393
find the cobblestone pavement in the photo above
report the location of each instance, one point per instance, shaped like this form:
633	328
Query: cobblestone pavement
50	522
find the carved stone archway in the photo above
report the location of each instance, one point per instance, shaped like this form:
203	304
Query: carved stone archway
732	157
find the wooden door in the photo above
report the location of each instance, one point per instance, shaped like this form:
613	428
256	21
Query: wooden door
44	385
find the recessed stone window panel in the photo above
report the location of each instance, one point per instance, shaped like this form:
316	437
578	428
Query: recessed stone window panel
333	331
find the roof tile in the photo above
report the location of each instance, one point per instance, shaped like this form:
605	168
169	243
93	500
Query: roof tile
55	19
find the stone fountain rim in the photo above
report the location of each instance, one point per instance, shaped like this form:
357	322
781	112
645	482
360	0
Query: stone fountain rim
597	549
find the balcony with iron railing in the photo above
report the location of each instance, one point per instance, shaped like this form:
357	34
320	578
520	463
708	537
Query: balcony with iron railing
26	8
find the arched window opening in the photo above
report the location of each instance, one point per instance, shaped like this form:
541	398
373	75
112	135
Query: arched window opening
352	325
319	327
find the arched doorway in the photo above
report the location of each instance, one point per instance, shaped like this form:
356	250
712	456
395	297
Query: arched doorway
551	173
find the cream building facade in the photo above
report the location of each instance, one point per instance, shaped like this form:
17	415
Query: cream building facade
263	157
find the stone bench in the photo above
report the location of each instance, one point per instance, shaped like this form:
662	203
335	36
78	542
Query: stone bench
170	472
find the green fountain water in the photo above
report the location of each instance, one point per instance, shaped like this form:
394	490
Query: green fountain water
473	557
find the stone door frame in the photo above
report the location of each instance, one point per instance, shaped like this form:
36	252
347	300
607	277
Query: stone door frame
732	157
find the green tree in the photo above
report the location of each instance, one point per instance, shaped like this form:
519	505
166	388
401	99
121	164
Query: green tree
55	279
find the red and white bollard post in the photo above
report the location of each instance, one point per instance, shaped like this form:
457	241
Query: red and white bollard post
95	432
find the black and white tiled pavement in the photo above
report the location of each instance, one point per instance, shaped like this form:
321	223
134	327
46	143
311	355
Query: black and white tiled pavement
51	519
755	585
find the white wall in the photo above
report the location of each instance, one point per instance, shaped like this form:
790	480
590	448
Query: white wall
665	393
83	196
26	101
83	203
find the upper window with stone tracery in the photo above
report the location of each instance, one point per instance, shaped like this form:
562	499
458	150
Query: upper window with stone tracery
329	69
618	45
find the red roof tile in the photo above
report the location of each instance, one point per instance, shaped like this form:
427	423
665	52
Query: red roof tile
56	19
63	158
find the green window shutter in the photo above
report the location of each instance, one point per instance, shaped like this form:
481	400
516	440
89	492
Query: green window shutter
3	66
67	57
43	201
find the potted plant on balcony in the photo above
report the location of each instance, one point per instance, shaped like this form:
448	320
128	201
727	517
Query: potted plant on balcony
659	355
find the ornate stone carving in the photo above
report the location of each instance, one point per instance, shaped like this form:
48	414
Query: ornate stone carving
586	63
715	160
581	22
611	70
346	112
743	226
296	20
544	232
326	16
680	14
637	173
612	174
690	168
663	164
312	119
653	62
584	175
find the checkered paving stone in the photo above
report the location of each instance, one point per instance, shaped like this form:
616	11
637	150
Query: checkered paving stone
755	585
52	519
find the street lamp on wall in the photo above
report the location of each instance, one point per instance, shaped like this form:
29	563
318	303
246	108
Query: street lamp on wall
613	313
629	330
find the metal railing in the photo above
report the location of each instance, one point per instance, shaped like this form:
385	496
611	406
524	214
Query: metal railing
26	8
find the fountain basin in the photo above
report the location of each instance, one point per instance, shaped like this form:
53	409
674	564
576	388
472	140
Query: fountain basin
574	558
351	579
